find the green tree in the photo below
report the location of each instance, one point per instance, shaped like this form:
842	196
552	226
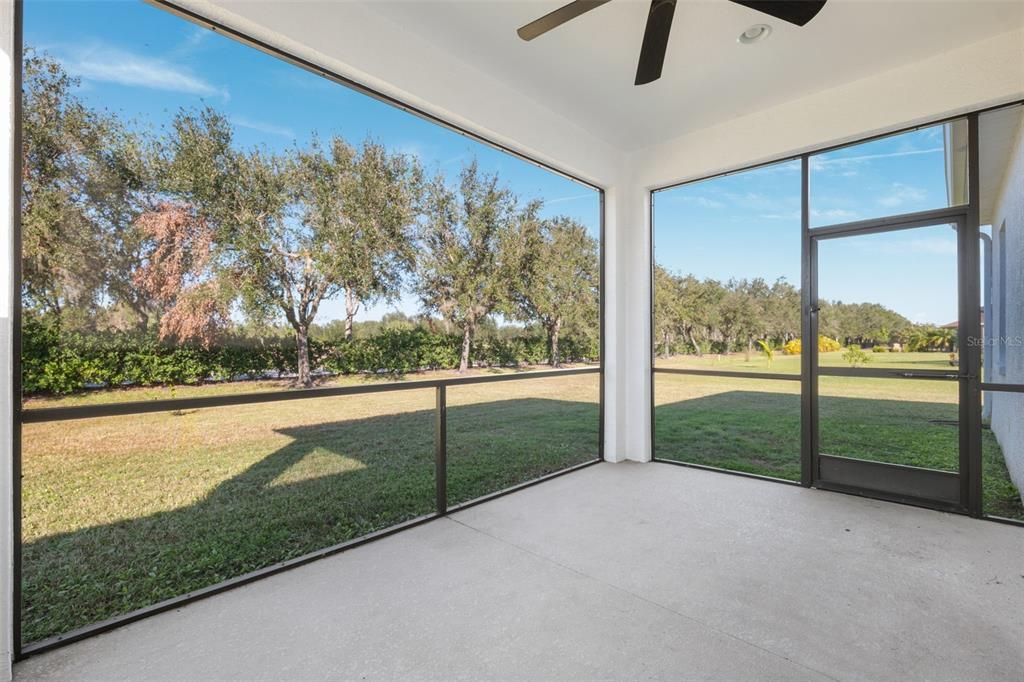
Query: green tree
558	279
366	201
85	177
856	356
667	310
463	274
942	338
286	232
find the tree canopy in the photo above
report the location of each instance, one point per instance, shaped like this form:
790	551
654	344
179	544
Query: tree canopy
696	316
465	265
185	232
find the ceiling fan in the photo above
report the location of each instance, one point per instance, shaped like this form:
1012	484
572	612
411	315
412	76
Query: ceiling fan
659	23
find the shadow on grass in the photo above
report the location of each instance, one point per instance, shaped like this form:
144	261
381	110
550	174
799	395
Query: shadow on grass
759	432
333	482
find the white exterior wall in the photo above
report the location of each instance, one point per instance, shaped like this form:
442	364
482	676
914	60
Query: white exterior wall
1008	408
627	321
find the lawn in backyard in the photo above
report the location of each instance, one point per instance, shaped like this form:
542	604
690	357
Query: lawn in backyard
753	425
122	512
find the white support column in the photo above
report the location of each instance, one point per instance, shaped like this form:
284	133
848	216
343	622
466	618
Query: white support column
7	96
627	322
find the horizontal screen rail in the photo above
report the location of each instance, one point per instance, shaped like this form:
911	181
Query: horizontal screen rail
723	373
52	414
895	373
1003	388
905	221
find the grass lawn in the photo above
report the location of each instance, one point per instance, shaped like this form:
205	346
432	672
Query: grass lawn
790	364
122	512
753	425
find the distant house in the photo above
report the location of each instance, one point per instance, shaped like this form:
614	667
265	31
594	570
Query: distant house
955	324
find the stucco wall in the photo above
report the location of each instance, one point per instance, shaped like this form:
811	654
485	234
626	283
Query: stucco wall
1008	262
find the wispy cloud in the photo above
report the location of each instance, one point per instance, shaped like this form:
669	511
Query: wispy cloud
291	77
824	161
835	214
562	200
761	202
930	246
454	159
114	65
901	194
934	245
192	42
788	215
702	201
263	127
841	164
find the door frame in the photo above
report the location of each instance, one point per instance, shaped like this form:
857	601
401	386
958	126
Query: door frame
964	494
970	429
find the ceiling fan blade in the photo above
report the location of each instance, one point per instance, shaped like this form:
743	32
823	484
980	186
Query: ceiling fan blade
797	12
652	52
558	17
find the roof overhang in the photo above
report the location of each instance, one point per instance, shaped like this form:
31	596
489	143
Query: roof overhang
567	98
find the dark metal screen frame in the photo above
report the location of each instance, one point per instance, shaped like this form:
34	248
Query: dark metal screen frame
16	318
443	508
19	416
968	289
914	481
654	370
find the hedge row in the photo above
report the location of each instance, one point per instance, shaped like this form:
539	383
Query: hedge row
60	363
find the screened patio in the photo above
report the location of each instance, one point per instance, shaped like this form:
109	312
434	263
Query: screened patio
785	441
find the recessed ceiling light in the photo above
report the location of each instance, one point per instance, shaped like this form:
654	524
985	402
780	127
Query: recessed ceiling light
754	34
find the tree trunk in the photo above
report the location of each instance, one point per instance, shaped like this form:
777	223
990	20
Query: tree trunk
351	308
467	343
750	348
696	346
302	346
553	331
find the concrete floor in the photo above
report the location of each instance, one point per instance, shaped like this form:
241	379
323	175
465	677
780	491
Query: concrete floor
617	571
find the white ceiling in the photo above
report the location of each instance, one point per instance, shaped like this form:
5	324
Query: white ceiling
584	70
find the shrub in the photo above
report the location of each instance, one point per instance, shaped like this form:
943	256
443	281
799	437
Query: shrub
828	345
60	362
825	345
880	349
856	356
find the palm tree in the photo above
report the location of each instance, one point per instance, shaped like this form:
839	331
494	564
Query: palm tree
942	338
768	351
918	339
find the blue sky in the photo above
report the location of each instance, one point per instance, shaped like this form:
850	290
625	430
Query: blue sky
748	225
145	64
